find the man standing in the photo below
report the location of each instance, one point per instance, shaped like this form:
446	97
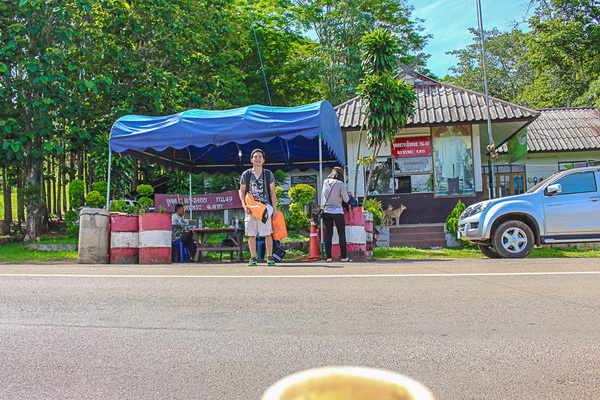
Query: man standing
260	183
181	231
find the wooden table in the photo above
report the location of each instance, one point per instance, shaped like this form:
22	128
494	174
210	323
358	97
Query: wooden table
201	235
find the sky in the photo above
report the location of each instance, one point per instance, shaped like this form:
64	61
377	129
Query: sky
449	20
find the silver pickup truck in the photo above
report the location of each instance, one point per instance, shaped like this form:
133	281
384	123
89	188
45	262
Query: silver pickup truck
563	208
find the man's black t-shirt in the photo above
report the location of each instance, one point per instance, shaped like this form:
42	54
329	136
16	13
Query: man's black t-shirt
258	188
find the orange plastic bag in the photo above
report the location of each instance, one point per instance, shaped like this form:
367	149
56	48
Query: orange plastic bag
279	228
258	209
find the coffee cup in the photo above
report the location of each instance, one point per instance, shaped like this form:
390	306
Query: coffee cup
347	383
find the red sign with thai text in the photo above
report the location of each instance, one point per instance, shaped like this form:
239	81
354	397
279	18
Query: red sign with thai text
200	202
411	147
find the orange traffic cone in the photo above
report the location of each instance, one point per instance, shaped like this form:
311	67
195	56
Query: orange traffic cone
314	253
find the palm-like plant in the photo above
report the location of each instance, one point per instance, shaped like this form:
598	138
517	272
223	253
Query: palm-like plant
387	101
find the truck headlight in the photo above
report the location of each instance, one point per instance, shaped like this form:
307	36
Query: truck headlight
475	209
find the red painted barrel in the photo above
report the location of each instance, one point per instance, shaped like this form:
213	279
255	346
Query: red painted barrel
124	239
155	238
356	236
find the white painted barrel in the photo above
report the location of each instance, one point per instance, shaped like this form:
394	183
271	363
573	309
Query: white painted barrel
155	238
93	236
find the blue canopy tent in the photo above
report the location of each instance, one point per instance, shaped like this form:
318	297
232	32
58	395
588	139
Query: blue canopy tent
221	141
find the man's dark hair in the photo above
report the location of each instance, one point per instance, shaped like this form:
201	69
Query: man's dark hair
257	150
178	206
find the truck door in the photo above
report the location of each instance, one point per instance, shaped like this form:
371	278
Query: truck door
576	209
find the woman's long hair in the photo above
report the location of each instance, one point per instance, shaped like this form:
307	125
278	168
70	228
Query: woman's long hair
337	173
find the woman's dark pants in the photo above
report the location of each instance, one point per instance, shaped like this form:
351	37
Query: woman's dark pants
340	224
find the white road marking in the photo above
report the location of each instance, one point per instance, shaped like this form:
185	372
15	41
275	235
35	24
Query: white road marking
304	276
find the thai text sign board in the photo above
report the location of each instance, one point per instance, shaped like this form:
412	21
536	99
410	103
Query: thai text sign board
200	202
411	147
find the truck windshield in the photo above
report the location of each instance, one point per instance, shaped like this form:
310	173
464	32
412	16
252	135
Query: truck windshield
540	183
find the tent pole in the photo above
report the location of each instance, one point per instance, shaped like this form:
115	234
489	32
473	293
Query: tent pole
108	178
191	196
321	184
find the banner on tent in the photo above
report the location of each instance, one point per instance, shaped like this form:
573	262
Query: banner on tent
200	202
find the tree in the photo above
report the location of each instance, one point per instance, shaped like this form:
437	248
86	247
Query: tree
34	67
564	49
509	73
388	101
339	27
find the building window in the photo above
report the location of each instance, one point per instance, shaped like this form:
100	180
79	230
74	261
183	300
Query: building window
452	161
510	180
409	170
310	180
382	181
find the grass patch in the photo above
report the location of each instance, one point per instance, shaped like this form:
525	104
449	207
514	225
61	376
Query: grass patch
394	253
57	240
17	253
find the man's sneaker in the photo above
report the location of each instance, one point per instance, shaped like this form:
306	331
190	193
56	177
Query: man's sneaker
270	261
253	262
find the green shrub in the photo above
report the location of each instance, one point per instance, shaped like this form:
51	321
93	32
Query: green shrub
95	199
118	206
213	223
146	201
100	186
145	190
452	219
76	193
72	224
375	207
297	219
302	193
278	193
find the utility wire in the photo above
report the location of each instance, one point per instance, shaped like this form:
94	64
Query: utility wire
262	66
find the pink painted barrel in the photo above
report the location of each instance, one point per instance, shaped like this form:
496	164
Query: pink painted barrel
124	239
155	238
356	237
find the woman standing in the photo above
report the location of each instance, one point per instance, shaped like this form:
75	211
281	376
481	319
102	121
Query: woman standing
333	193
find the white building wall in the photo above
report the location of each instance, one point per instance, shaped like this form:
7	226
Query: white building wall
539	166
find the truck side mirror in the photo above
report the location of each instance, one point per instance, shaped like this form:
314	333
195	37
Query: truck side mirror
554	189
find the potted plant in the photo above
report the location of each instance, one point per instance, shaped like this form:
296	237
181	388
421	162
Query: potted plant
451	228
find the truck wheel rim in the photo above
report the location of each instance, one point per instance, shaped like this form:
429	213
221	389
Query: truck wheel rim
514	240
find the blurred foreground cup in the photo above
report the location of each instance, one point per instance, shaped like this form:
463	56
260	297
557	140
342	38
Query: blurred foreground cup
347	383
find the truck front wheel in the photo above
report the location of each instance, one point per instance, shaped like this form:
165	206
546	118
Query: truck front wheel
488	251
513	239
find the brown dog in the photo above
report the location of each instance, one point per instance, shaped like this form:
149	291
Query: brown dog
392	213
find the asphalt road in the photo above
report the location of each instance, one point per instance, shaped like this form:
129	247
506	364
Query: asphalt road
467	329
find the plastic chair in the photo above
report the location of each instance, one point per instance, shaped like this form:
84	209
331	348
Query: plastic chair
261	247
182	252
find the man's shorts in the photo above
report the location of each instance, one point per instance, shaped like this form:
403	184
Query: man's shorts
254	227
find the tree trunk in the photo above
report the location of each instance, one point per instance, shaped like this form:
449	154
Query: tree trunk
33	200
357	158
20	198
371	168
80	166
135	181
7	192
63	182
